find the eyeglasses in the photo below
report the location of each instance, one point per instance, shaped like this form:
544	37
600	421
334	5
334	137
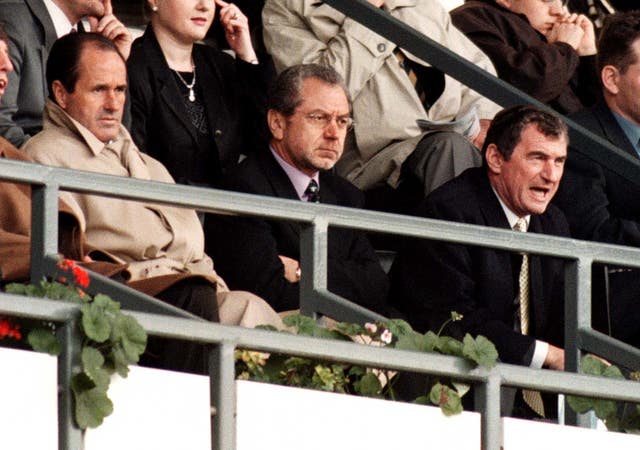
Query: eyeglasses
321	120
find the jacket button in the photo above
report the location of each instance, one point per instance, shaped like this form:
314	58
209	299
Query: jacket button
382	47
217	133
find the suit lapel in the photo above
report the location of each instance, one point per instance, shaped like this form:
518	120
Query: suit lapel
40	12
212	90
612	129
168	89
279	184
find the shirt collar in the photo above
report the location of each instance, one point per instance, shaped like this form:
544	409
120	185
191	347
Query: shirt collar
631	130
59	117
512	217
299	179
61	22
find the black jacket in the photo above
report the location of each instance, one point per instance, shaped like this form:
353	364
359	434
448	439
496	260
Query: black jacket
430	279
234	98
246	250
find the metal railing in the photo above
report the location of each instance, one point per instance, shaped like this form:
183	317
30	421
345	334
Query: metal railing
315	298
161	320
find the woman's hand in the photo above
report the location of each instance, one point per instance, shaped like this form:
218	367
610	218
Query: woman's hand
236	30
110	27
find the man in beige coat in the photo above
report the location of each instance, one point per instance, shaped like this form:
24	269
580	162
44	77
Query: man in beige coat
162	245
386	104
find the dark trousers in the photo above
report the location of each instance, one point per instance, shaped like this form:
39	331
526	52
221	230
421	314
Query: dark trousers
197	296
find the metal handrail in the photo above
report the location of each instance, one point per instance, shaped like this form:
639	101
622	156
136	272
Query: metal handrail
47	181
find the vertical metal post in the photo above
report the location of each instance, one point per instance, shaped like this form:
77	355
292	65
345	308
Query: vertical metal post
44	228
313	262
487	398
69	435
223	396
577	316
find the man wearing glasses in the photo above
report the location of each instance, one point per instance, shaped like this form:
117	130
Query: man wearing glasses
309	116
537	46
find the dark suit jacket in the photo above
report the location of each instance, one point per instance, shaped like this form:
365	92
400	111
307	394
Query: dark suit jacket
246	251
602	206
431	279
234	97
31	35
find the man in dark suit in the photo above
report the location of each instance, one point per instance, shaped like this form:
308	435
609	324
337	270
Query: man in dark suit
33	26
309	116
599	204
524	154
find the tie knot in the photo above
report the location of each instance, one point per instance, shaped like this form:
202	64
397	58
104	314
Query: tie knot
521	225
312	192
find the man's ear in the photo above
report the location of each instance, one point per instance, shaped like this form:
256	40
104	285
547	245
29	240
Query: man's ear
276	121
60	94
494	159
610	76
504	3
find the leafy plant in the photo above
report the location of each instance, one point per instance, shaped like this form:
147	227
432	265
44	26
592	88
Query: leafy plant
111	340
358	380
617	416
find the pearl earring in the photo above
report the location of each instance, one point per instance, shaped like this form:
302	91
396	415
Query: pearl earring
154	8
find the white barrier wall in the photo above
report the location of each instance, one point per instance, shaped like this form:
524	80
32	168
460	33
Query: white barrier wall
28	400
161	410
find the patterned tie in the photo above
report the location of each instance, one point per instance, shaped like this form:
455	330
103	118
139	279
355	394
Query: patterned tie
407	65
312	192
531	398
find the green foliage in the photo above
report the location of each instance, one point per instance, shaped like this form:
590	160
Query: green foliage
481	350
111	341
42	340
370	382
616	416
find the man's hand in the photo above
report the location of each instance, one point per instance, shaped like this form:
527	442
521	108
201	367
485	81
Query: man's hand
555	358
566	30
587	45
291	269
478	139
110	27
236	30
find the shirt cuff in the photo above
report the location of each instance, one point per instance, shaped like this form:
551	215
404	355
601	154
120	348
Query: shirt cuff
539	354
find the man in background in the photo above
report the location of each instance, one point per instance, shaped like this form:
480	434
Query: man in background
33	26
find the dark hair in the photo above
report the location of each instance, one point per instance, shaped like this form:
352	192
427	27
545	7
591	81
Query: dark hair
64	58
507	127
617	36
284	94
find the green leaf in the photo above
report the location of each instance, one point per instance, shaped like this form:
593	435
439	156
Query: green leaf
106	303
450	346
95	323
304	325
418	342
92	363
604	408
481	350
398	327
351	329
423	400
445	397
119	360
369	385
580	404
44	340
132	337
92	406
